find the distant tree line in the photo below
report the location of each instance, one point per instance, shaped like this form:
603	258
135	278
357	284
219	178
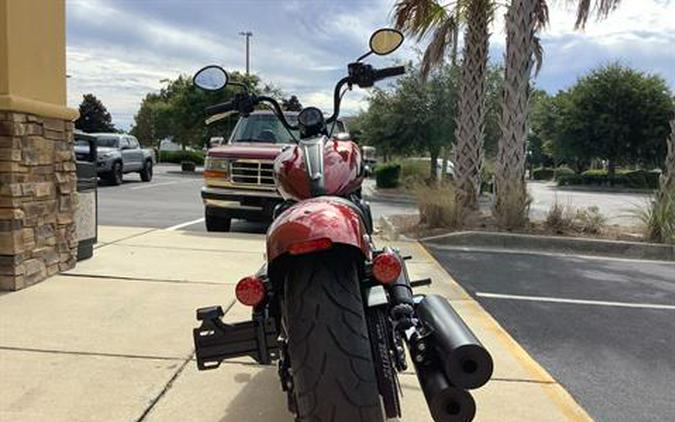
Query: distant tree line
176	112
614	114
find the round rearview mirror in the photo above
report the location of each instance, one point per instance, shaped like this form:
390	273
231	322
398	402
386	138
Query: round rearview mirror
385	41
211	78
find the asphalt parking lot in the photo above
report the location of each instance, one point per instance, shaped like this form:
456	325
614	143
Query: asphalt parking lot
172	201
604	328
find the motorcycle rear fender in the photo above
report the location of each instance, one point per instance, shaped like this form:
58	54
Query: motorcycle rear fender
328	217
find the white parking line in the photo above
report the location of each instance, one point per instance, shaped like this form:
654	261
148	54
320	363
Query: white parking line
187	223
154	185
575	301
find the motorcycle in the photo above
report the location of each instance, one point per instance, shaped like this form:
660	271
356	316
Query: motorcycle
336	312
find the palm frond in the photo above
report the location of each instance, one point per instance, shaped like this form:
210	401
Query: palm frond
538	55
601	8
541	15
418	17
443	39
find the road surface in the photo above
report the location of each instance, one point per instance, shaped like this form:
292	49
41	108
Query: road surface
604	328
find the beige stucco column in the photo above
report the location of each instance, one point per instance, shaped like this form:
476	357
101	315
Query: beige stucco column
37	164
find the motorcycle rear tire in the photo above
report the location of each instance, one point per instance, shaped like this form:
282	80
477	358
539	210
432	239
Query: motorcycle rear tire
331	360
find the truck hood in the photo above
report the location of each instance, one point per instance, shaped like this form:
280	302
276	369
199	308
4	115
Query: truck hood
257	150
84	149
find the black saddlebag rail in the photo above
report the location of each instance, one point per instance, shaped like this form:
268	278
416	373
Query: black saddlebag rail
216	341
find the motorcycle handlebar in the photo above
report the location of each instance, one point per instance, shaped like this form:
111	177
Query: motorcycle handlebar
388	72
221	108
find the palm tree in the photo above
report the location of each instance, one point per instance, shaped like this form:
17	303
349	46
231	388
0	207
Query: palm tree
421	17
524	20
668	176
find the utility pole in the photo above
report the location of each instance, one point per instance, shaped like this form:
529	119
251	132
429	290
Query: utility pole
247	34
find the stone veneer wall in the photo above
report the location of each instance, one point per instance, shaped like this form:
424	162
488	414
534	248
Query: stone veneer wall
37	199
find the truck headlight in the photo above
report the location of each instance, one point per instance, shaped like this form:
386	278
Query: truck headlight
216	167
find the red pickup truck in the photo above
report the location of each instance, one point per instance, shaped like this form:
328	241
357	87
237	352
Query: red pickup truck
238	177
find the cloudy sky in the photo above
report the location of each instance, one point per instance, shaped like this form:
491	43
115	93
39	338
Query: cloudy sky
121	49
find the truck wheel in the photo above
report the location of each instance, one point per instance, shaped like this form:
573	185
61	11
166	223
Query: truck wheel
116	176
146	173
217	224
328	344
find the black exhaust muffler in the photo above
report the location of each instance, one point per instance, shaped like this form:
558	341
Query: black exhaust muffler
446	403
462	357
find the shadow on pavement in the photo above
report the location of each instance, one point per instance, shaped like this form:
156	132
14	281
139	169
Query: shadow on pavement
259	400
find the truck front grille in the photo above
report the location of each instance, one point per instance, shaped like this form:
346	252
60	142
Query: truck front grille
252	173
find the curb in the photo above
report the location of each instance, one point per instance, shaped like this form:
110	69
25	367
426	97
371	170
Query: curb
558	244
377	196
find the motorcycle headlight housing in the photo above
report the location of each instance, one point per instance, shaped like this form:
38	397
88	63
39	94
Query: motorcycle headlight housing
216	167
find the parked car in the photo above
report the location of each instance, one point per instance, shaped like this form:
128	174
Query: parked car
118	154
238	181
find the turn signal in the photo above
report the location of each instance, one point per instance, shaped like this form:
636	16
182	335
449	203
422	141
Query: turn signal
386	267
310	246
250	291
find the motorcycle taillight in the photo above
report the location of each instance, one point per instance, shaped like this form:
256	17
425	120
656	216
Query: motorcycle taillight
308	246
250	291
386	267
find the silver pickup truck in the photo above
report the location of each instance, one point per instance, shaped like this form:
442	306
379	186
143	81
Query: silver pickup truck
117	154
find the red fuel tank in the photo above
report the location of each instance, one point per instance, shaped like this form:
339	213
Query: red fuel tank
342	170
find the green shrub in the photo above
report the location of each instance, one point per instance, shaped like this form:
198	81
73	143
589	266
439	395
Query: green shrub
177	157
543	173
658	218
414	172
637	179
438	206
387	175
562	171
570	179
487	174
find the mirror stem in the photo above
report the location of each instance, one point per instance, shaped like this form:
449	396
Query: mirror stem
364	56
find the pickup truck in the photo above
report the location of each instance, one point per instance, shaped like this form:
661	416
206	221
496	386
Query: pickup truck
238	175
117	154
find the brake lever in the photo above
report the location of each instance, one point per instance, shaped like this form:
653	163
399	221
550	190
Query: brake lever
218	117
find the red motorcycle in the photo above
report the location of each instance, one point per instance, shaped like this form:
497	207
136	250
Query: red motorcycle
336	312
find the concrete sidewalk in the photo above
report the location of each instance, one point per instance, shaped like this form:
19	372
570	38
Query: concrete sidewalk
111	340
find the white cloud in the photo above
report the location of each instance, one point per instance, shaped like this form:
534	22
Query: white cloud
120	50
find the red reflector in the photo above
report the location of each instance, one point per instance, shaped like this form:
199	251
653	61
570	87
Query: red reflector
386	268
250	291
310	246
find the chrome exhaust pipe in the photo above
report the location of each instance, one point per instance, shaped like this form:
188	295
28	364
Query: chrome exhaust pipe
462	357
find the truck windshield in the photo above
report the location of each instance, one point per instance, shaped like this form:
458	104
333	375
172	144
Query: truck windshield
266	128
106	141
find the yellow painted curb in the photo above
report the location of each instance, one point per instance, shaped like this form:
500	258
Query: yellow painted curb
559	396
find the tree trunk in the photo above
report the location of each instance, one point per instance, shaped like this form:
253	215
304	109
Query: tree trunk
468	155
667	180
455	38
611	169
433	166
512	203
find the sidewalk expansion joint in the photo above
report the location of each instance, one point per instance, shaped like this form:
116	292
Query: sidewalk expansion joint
143	279
81	353
104	244
178	248
166	388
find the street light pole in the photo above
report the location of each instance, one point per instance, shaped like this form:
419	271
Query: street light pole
247	34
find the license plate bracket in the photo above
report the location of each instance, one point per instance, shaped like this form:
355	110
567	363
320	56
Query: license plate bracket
216	341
